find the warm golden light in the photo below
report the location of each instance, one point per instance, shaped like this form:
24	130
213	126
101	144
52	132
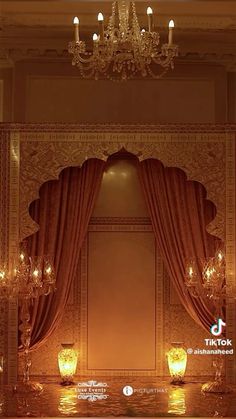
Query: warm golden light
2	275
190	271
176	403
48	270
76	24
177	362
95	37
171	24
67	363
122	51
22	257
36	273
100	17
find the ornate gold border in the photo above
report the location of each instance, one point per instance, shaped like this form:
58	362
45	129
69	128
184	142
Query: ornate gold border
230	251
47	148
45	154
13	240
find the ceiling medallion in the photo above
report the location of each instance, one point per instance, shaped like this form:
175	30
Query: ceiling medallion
123	50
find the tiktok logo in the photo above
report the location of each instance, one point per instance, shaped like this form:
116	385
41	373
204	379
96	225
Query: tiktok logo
216	329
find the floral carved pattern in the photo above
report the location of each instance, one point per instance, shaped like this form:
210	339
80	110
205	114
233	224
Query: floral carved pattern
47	154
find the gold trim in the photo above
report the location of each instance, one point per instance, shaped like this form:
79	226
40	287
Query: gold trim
13	251
45	155
230	251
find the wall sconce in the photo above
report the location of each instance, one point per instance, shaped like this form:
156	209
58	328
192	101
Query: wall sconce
177	362
67	363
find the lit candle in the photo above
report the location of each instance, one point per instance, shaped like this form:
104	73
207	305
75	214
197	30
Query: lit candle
171	28
22	257
101	26
190	271
36	273
95	37
150	18
48	270
76	23
2	275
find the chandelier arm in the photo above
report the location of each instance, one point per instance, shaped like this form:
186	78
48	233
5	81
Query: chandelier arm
156	76
79	58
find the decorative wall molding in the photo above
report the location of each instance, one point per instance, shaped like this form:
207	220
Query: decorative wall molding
44	155
4	245
31	130
45	149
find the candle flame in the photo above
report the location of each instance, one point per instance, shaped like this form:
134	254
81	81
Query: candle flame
2	274
100	17
49	270
76	20
171	24
149	11
36	273
95	37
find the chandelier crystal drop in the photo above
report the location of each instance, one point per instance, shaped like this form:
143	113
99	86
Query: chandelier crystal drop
123	50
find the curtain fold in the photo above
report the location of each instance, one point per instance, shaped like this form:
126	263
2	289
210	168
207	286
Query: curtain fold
179	213
63	213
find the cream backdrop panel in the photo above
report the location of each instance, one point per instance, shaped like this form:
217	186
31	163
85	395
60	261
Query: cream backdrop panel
121	301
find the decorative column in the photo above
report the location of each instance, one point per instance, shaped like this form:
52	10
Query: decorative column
9	238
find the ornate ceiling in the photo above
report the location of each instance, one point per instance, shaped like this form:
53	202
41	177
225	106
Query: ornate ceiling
205	30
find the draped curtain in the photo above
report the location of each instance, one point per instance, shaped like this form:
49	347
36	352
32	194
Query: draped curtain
62	212
179	213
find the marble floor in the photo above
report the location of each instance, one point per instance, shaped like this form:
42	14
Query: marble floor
150	398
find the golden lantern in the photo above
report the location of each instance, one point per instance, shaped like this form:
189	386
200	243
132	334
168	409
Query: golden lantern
67	363
177	362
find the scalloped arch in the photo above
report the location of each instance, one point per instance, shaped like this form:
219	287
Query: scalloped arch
44	159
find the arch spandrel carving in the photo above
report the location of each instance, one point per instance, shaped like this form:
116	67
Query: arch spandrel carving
44	157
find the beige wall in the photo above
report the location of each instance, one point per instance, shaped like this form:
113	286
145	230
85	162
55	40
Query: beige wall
53	92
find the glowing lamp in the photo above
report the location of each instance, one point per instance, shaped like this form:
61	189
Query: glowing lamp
177	362
67	363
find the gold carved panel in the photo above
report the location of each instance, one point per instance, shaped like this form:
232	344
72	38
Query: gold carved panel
45	154
205	152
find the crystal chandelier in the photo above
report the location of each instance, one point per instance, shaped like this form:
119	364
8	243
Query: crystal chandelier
124	50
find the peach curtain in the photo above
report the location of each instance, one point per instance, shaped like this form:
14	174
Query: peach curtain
62	212
179	213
